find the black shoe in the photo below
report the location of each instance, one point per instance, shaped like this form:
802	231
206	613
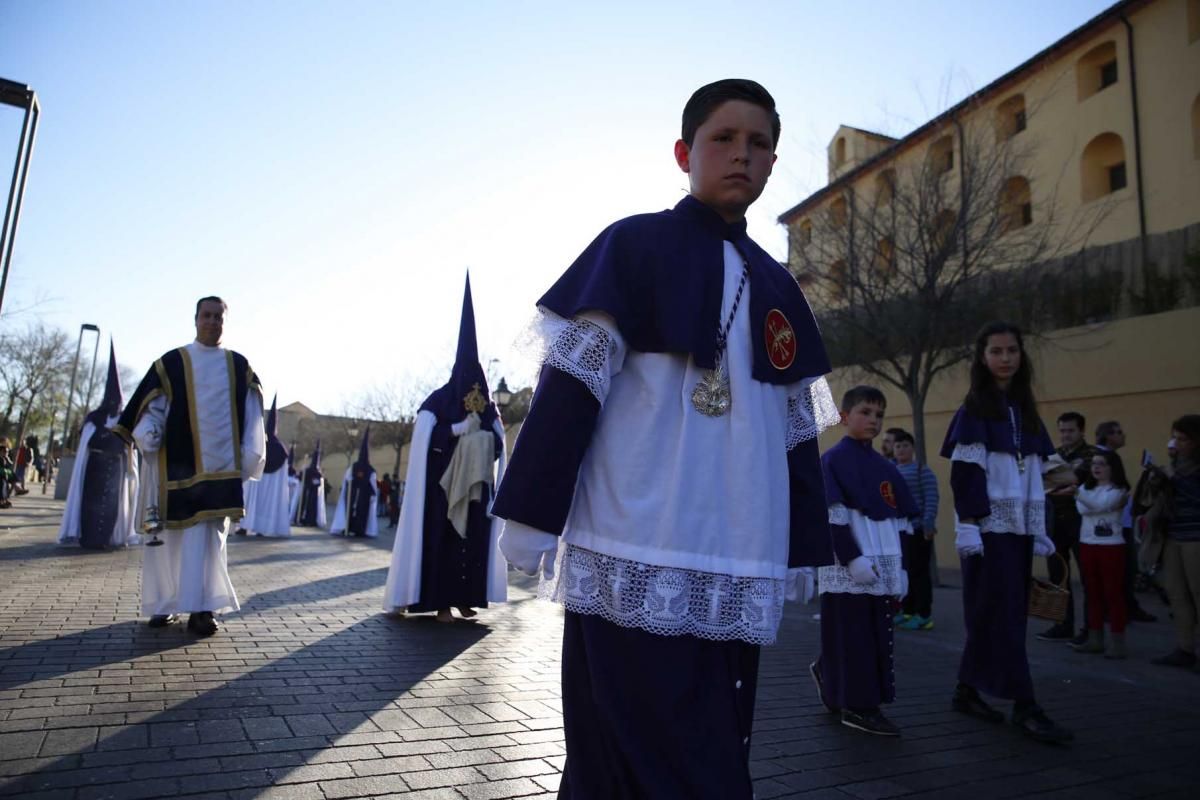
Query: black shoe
1080	639
816	676
1176	658
240	532
1034	723
1139	614
1055	633
202	623
872	721
967	701
161	620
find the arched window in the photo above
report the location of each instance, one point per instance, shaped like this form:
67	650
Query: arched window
885	187
838	213
1096	69
1196	125
942	234
885	256
1102	167
941	155
1010	116
1016	209
839	151
801	234
839	278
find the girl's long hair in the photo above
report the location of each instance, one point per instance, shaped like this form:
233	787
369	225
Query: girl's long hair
984	398
1116	470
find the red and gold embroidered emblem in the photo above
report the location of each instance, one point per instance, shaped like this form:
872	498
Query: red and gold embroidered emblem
780	340
888	493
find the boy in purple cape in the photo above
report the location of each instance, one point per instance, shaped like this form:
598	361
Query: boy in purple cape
667	482
869	510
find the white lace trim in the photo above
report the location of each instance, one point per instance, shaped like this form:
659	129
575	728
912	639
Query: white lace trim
665	600
810	412
578	347
1027	517
837	580
839	514
970	453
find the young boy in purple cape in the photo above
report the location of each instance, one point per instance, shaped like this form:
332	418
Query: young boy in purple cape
667	481
869	510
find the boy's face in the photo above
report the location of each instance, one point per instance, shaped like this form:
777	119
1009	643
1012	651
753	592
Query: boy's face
863	421
903	452
730	158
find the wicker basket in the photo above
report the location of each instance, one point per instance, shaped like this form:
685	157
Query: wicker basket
1048	600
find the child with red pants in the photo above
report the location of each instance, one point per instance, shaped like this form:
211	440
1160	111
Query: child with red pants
1101	553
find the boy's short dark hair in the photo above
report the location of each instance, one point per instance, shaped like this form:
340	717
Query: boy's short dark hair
705	100
903	436
1074	416
210	299
863	394
1188	425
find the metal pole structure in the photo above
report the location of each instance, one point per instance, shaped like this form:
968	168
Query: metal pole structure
20	96
87	398
74	369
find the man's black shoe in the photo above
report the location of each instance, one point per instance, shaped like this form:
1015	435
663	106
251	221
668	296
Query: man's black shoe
967	701
815	671
161	620
202	623
872	721
1176	658
1080	638
1056	632
1034	723
1139	614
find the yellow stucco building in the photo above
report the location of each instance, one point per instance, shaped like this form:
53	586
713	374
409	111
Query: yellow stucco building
1103	131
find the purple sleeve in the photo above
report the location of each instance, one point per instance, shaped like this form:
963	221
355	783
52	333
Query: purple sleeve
539	482
968	482
844	546
809	543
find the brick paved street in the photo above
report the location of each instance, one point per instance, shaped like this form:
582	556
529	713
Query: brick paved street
310	692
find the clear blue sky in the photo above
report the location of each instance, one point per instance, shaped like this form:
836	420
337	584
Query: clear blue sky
332	169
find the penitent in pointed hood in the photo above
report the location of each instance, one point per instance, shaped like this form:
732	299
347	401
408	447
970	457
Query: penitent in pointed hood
113	401
467	390
276	452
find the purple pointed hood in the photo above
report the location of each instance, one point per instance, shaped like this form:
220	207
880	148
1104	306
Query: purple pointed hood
113	401
468	385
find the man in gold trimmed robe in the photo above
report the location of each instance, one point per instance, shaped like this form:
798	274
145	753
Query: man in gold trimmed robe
197	418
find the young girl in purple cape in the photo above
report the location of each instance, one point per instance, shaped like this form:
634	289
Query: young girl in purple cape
996	445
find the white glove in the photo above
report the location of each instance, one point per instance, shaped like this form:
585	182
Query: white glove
967	540
862	570
1042	545
470	424
527	549
903	593
801	584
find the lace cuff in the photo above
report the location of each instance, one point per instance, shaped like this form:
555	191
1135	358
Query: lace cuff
837	580
810	412
839	514
975	453
578	347
665	600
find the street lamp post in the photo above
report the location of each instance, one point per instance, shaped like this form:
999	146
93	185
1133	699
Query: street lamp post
20	96
74	369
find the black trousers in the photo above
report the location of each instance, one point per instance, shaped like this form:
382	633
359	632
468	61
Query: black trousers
917	554
1066	543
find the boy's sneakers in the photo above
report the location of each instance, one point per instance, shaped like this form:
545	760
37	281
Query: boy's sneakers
872	721
901	618
917	623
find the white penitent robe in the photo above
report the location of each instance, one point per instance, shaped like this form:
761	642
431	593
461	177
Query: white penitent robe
124	531
293	484
339	513
190	572
267	505
403	587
